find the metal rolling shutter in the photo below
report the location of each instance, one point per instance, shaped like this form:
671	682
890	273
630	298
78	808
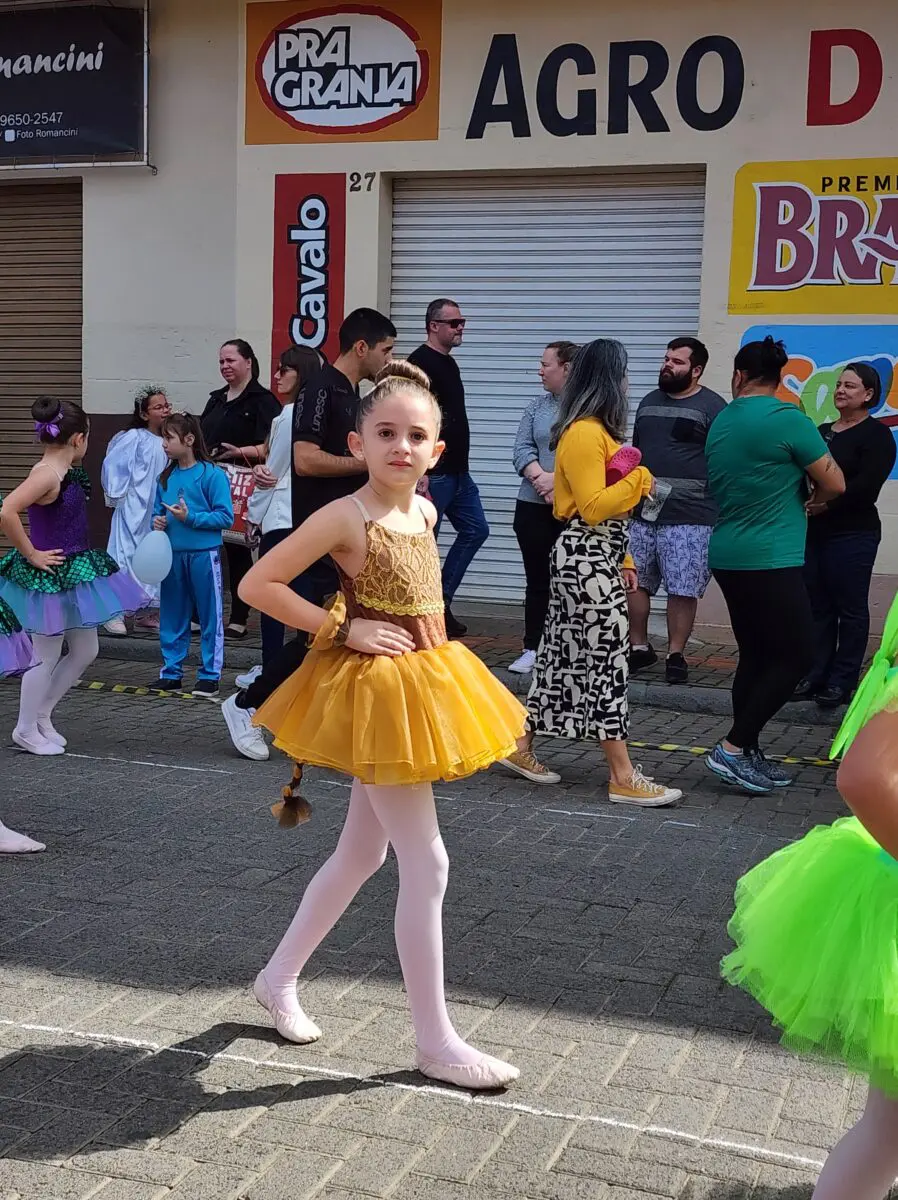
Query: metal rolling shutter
531	259
40	311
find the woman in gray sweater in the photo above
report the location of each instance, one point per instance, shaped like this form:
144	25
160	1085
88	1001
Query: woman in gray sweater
535	525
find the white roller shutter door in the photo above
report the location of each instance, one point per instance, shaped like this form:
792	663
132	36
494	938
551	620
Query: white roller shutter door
532	259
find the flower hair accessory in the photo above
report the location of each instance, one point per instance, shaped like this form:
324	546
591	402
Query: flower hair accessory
51	426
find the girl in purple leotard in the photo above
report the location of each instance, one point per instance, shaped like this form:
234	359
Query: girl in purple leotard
59	588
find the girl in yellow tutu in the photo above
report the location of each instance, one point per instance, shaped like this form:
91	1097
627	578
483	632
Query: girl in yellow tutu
384	697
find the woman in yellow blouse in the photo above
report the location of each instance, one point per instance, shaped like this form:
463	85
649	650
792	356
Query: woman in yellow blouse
579	687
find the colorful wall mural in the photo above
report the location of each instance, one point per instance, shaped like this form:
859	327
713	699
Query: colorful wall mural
818	354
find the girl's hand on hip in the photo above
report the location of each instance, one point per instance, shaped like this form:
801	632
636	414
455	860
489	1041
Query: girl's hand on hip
178	510
379	637
46	560
631	580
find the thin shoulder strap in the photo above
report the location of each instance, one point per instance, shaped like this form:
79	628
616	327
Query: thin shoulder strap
357	502
424	513
49	467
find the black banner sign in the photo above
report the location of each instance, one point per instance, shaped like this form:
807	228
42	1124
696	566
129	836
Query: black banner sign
72	83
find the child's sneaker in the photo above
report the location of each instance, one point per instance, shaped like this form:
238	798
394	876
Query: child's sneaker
206	689
165	684
741	769
643	791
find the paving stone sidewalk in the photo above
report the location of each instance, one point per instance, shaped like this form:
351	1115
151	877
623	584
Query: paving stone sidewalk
582	942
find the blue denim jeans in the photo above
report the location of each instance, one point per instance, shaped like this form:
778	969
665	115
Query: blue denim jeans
457	498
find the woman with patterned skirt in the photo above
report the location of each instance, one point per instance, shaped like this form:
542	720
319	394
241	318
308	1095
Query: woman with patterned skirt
579	687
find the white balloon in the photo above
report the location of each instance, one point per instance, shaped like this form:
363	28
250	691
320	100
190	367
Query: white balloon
152	558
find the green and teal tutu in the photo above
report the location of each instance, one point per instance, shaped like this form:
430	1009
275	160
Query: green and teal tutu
816	933
87	589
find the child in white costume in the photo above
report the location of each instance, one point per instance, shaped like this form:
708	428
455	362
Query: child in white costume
132	466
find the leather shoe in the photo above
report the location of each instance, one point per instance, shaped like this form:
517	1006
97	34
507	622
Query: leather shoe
485	1075
831	697
294	1027
805	690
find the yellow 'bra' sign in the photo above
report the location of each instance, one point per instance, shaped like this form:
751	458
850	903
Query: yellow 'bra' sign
816	237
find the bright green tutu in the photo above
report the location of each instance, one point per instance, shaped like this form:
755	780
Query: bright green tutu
816	931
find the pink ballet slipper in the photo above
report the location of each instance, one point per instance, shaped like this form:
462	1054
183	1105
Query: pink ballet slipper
294	1027
485	1075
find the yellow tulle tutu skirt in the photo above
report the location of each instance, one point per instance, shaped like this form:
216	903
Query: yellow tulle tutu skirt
433	714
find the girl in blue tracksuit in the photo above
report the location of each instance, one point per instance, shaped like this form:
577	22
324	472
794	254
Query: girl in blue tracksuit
193	505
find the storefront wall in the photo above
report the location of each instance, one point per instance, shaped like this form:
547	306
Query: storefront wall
519	91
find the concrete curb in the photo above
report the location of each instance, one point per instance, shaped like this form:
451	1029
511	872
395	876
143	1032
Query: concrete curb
673	697
146	650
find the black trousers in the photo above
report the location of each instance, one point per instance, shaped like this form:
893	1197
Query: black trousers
537	532
239	559
770	613
837	572
314	585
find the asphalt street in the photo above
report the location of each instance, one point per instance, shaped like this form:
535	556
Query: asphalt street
582	943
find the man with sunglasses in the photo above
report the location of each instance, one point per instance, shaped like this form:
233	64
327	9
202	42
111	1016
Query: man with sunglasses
452	489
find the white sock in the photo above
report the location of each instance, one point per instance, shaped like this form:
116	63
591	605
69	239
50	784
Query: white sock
640	647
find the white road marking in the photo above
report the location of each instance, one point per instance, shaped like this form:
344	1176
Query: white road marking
137	762
742	1149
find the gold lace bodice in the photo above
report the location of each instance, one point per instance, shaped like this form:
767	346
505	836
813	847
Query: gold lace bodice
400	582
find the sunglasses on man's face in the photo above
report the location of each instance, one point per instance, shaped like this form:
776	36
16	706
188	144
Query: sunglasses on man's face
455	323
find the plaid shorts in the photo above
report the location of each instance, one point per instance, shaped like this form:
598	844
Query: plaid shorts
675	555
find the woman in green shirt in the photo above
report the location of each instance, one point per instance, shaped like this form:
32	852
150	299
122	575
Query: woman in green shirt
761	452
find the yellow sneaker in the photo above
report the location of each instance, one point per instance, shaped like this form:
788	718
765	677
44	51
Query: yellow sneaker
525	762
643	791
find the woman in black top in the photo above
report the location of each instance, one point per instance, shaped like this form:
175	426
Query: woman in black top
235	424
843	537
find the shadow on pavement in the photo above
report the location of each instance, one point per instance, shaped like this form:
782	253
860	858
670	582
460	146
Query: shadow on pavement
56	1101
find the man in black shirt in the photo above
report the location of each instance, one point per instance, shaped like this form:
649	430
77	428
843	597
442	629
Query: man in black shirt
323	470
454	492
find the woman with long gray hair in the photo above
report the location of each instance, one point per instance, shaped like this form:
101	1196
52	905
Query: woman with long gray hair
579	687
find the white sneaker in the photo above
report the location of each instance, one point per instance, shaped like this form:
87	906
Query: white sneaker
248	678
247	739
525	664
116	628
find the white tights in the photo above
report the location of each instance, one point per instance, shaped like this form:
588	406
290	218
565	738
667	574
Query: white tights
406	818
46	684
864	1164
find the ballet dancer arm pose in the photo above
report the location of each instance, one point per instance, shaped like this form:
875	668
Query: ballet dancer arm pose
40	487
398	432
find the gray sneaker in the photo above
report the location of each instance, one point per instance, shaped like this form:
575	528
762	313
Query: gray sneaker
740	769
778	776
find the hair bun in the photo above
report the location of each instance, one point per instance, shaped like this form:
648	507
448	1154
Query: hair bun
46	409
401	368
